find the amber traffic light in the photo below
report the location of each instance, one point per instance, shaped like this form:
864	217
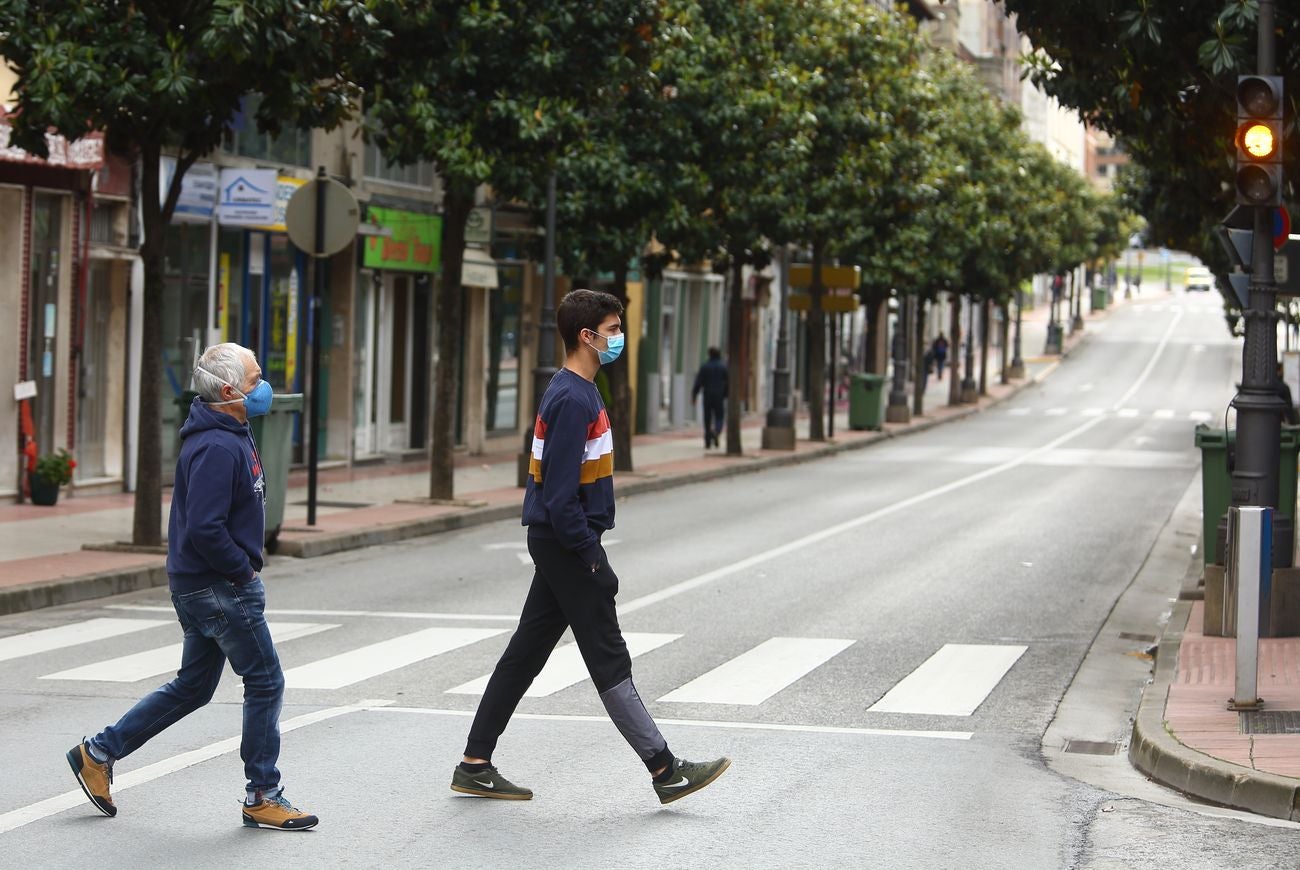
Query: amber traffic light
1259	140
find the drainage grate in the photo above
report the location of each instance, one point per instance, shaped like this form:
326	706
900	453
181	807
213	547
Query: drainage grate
1270	721
1092	747
1145	638
339	504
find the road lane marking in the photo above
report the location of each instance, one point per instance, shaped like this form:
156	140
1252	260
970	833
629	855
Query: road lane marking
123	781
952	682
754	676
379	614
1164	414
166	659
1200	416
86	631
698	723
848	525
1057	412
565	666
808	540
369	661
1151	363
1128	413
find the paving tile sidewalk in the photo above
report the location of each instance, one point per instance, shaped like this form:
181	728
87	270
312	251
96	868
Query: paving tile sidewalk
43	563
1186	737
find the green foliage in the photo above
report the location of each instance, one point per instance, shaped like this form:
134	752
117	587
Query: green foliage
1164	82
56	467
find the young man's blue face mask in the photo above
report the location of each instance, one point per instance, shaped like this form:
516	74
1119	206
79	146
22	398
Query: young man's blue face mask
256	403
613	345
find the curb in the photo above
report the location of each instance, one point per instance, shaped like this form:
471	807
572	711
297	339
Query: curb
1158	754
118	581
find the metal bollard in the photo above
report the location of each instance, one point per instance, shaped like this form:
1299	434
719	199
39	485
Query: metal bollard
1246	593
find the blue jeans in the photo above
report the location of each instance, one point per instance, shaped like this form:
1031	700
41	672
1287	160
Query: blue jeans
223	621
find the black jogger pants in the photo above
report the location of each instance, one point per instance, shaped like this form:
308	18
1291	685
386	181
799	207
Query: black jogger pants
565	593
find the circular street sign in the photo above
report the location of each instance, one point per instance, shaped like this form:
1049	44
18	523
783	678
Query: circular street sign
1281	227
342	215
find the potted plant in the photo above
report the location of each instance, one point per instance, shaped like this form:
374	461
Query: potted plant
52	471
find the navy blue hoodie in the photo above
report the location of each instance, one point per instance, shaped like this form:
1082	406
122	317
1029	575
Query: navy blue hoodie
218	503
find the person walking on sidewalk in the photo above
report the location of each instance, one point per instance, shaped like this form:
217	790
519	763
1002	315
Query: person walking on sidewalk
939	352
711	380
214	554
568	505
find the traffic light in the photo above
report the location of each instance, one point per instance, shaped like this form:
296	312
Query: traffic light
1259	140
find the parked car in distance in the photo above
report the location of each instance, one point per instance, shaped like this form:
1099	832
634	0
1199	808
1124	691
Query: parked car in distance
1198	278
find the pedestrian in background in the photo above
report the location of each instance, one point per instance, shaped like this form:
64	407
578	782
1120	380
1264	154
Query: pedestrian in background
939	352
214	553
568	505
711	380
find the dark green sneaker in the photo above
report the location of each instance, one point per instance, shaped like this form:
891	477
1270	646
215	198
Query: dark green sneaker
689	776
488	784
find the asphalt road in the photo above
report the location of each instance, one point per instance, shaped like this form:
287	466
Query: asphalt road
879	640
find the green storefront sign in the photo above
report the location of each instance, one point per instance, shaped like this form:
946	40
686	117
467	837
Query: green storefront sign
414	246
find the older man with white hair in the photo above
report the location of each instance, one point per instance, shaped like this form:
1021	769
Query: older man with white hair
214	553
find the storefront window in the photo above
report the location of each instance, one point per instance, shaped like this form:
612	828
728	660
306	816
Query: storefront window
285	336
503	349
378	166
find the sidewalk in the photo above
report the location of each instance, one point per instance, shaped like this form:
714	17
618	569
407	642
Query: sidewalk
1186	737
74	551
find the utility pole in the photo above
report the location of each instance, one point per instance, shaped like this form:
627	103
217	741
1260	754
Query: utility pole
1259	407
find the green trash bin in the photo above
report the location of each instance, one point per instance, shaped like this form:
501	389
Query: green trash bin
273	433
1099	297
1216	481
866	401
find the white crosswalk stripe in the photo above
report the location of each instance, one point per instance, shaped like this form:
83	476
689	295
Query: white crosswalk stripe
50	639
565	666
1122	413
955	681
369	661
753	677
166	659
952	682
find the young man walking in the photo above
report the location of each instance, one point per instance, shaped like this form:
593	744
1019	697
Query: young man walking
568	505
214	554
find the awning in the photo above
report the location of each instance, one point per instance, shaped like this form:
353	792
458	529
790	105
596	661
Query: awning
478	269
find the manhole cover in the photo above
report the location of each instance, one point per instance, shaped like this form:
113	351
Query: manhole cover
1092	747
339	504
1270	721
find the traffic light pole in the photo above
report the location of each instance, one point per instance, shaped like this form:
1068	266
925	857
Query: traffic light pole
1258	405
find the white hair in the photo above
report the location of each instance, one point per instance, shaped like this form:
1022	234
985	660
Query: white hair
221	364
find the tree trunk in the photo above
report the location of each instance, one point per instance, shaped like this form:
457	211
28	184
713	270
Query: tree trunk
817	352
922	376
620	388
1005	308
146	528
735	353
954	351
458	202
871	344
984	346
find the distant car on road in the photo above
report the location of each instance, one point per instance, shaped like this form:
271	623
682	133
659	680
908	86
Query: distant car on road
1198	278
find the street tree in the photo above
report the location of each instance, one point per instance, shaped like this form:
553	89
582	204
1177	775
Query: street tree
160	77
854	64
492	93
1164	82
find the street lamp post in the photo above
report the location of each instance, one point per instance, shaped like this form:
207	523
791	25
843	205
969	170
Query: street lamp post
544	368
1258	405
1054	337
778	433
898	411
970	391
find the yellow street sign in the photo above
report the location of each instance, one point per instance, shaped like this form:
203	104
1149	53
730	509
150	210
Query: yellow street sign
835	303
832	276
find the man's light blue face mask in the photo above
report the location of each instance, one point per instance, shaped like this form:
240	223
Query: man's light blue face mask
256	403
613	347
